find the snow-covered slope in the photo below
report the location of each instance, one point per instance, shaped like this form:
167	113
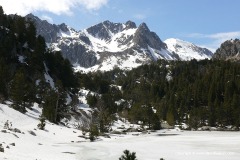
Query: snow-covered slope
186	50
31	143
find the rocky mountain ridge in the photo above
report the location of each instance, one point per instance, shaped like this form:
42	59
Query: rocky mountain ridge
229	50
108	45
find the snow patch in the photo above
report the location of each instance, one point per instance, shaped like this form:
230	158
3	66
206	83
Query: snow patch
21	59
48	78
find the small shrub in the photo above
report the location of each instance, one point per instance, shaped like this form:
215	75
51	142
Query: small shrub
94	133
42	123
7	125
1	149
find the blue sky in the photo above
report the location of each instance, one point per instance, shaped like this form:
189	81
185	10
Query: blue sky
204	22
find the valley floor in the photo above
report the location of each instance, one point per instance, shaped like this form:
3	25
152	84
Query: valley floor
62	143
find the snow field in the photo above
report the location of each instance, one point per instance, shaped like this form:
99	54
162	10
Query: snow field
170	145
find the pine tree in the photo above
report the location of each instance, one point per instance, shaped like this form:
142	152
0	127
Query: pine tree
54	106
31	35
2	17
18	91
128	155
236	107
170	118
49	106
94	132
3	80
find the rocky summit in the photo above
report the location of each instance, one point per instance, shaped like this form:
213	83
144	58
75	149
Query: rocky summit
229	50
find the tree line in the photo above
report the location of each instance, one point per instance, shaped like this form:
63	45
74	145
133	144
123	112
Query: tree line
197	93
25	66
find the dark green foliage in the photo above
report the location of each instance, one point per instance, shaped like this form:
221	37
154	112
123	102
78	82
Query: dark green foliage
91	100
54	104
94	132
95	82
3	80
31	35
61	69
145	114
18	91
155	122
170	117
103	115
128	155
197	93
50	106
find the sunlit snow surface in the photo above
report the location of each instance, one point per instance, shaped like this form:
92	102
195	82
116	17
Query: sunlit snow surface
185	50
62	143
113	45
170	145
131	61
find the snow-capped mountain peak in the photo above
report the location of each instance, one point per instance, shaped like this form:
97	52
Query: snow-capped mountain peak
186	50
107	45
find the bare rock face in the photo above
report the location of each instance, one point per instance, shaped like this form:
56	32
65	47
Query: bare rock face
77	53
130	25
144	37
105	30
229	50
45	29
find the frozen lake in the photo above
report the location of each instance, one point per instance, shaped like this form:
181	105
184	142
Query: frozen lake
170	145
63	143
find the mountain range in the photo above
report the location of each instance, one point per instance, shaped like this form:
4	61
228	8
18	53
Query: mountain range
108	45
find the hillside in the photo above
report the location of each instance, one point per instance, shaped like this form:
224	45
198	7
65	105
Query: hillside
30	73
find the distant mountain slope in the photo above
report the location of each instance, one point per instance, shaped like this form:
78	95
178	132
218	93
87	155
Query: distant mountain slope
186	50
229	50
106	45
